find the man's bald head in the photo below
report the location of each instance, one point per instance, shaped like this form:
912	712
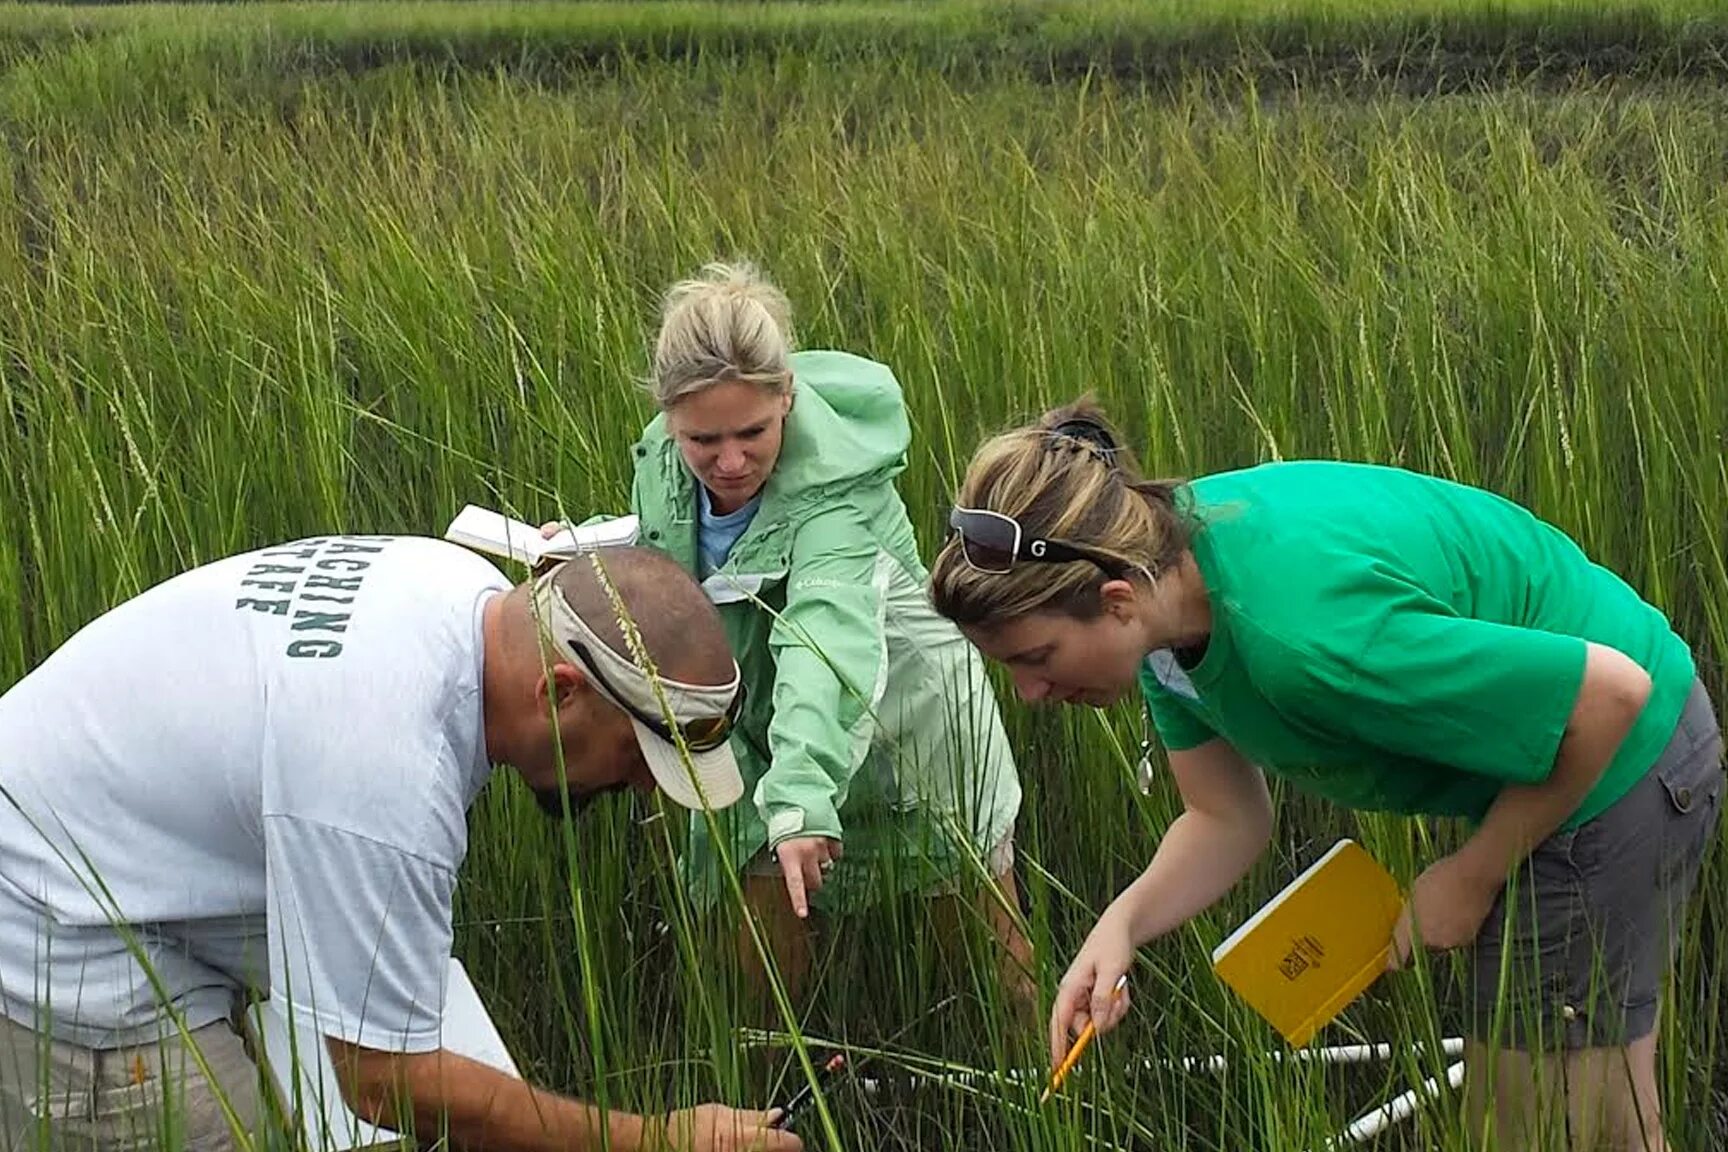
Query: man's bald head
609	730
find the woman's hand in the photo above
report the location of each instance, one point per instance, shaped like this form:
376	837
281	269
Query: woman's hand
547	530
804	862
1087	992
1447	906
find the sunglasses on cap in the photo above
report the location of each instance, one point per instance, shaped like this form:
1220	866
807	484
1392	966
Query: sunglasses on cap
701	735
994	542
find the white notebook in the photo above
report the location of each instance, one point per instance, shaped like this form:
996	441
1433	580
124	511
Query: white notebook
500	535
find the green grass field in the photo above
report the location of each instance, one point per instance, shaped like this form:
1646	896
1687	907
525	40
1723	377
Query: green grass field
279	270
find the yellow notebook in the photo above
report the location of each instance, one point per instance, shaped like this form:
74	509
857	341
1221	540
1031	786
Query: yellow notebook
1315	946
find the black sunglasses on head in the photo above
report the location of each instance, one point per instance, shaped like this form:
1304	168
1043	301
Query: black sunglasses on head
1091	432
994	542
703	735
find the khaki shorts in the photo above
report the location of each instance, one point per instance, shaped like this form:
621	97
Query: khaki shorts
67	1098
1576	949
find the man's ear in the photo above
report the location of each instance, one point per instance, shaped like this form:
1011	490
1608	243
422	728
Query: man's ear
561	684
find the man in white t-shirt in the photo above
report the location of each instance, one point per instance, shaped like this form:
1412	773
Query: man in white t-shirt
255	776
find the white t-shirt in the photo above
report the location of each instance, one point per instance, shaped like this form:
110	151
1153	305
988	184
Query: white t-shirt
274	751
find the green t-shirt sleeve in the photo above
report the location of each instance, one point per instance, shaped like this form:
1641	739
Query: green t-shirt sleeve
1487	698
1177	726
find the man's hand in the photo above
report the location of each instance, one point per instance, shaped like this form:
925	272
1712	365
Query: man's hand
804	861
1447	906
717	1128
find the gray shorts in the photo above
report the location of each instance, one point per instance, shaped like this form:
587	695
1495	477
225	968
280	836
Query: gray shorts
1576	949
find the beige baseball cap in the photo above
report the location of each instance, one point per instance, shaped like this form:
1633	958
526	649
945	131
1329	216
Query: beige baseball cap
702	713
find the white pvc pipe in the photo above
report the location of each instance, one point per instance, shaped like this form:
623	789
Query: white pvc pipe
1452	1046
1401	1108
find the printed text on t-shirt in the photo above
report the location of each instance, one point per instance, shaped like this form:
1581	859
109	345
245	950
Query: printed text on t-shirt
313	583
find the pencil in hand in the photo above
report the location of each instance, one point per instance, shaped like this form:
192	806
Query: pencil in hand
1078	1047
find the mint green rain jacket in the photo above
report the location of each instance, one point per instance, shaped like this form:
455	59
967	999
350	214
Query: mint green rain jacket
868	717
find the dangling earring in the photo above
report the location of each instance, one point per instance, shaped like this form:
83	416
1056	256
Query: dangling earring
1143	774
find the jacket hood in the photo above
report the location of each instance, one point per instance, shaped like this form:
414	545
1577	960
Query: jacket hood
848	424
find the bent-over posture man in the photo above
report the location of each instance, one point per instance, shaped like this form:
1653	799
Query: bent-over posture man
255	776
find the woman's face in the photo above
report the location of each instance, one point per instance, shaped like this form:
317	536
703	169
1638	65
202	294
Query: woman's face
1062	659
730	437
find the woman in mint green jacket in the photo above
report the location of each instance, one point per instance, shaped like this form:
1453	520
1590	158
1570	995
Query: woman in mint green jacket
873	754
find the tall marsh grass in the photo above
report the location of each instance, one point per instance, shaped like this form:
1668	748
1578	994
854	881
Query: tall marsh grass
242	300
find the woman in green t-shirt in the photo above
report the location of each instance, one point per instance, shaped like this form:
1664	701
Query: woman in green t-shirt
1393	642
